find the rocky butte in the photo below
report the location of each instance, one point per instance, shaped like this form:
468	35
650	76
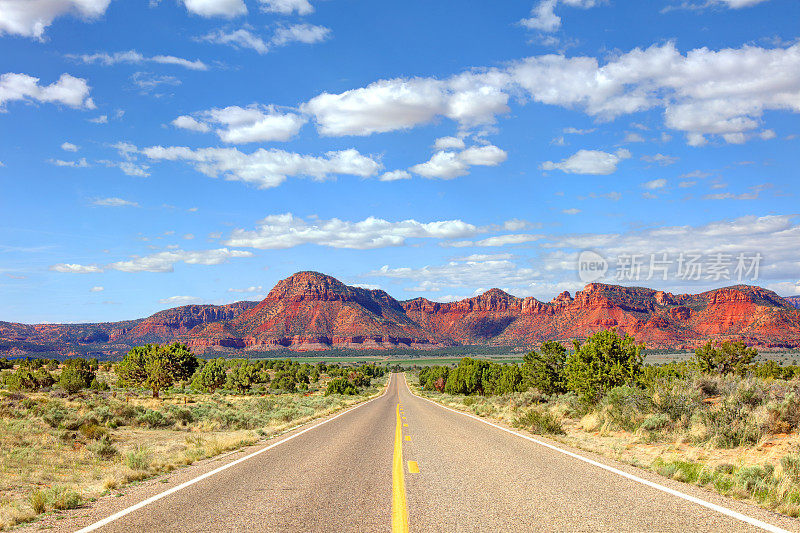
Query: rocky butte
312	311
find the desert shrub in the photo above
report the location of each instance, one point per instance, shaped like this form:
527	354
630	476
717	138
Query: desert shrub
433	377
624	406
284	381
791	467
210	376
544	370
103	414
71	422
728	357
748	393
156	367
467	377
181	414
54	415
724	468
21	380
138	458
153	419
359	379
708	385
62	499
341	386
769	370
652	374
476	376
526	399
99	385
126	414
75	376
103	448
43	378
686	471
755	479
93	431
678	400
731	425
243	377
784	416
539	422
656	422
606	360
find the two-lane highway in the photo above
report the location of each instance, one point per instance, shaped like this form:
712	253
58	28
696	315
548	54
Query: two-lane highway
400	461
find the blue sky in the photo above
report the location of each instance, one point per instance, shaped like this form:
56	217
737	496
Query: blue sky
198	151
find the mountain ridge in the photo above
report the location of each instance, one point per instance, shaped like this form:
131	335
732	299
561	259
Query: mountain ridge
313	311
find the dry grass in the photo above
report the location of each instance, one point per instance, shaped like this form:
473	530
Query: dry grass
762	466
56	453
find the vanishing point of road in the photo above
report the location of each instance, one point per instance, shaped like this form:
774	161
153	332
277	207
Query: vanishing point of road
403	463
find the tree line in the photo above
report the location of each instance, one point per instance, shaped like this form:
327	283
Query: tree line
606	360
159	367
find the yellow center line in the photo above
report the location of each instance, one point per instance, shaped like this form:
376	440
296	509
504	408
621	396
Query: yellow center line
399	505
405	425
413	467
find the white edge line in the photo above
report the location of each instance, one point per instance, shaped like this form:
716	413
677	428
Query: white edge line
148	501
714	507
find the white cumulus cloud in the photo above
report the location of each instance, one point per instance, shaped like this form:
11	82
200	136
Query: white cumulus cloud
165	261
544	18
158	262
448	165
67	90
241	125
594	162
216	8
266	168
395	175
387	105
287	7
283	36
30	18
190	123
287	231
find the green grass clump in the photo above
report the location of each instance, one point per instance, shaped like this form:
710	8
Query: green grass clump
138	458
103	448
540	422
38	501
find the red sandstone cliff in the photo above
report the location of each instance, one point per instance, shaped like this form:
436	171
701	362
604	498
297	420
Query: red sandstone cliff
310	311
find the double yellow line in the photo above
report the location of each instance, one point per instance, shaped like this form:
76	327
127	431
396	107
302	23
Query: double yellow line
399	504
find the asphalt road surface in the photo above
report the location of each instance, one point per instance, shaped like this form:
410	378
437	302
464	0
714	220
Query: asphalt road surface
400	461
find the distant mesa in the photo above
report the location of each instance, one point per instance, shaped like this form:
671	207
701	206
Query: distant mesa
313	311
